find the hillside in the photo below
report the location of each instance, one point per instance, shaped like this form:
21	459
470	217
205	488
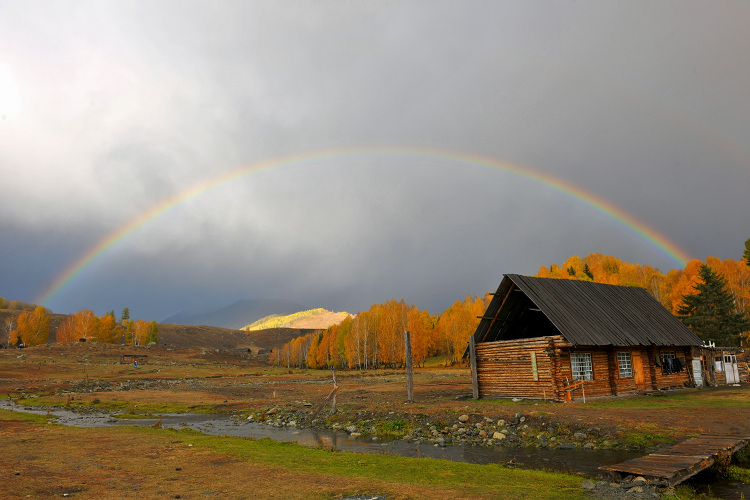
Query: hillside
313	319
235	315
211	337
191	336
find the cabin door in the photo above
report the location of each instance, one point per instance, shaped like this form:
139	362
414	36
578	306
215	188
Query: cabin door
638	371
697	373
732	372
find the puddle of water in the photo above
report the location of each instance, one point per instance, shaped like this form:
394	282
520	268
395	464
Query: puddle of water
573	460
724	489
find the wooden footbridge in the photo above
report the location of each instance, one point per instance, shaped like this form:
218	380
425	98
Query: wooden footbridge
682	460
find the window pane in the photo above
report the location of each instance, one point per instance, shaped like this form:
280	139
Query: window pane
626	367
580	363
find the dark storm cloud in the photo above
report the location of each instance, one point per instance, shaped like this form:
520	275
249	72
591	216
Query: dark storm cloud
125	105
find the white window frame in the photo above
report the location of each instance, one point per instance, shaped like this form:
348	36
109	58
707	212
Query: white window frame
625	363
582	366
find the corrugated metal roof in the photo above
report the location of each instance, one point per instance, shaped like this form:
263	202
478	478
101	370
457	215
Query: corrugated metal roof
583	312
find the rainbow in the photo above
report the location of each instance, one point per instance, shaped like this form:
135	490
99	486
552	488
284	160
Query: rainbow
639	228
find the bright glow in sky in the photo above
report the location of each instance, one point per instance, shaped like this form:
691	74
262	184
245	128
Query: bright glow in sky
10	98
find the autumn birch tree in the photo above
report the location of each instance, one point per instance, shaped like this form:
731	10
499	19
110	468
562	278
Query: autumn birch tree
32	328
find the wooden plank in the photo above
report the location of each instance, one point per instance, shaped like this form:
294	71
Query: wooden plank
682	460
474	375
409	368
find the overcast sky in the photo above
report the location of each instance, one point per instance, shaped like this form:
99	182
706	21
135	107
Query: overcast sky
110	108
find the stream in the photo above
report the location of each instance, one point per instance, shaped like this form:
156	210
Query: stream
575	460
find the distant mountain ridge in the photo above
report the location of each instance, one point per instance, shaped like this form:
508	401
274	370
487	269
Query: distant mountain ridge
236	315
313	319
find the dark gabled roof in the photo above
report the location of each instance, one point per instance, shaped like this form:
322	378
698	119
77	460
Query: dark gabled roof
584	313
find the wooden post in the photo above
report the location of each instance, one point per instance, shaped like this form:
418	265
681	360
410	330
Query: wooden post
473	359
335	388
409	368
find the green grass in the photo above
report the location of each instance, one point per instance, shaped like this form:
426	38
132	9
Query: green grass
393	429
738	473
688	398
646	440
25	417
486	480
436	362
121	406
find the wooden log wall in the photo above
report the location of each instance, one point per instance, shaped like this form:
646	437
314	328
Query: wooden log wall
743	366
607	380
675	379
600	385
506	368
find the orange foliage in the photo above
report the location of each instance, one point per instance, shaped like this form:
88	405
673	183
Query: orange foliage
375	338
32	327
667	289
109	330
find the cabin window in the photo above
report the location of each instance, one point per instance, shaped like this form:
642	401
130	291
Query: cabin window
671	364
580	363
625	364
667	355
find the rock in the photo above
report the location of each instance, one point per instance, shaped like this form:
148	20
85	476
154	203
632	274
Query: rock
588	485
351	428
272	411
499	436
637	490
292	423
579	435
589	446
482	433
355	434
440	441
463	418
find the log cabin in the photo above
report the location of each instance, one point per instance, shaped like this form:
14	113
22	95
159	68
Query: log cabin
140	359
561	340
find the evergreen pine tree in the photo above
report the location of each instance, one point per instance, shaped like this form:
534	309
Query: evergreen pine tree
709	311
587	271
746	255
